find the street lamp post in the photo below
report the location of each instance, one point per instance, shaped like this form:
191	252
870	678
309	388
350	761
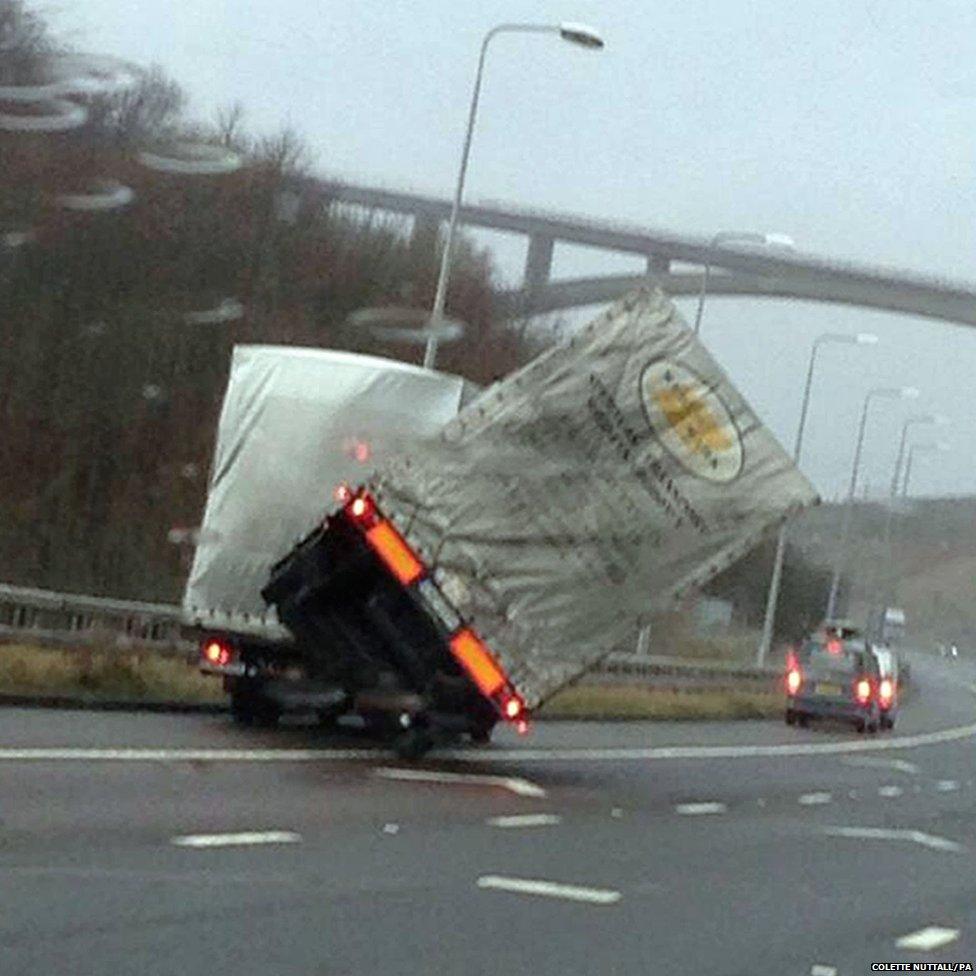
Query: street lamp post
902	392
940	446
886	581
772	598
578	34
735	237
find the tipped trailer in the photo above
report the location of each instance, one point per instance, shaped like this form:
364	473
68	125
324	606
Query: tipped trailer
506	544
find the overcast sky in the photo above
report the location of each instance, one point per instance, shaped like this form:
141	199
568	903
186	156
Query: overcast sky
847	124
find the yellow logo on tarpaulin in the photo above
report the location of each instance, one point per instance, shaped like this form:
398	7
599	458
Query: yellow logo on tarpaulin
689	416
691	421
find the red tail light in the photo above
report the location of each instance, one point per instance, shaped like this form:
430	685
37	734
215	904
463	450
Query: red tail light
512	707
793	681
835	646
862	690
217	654
886	690
362	509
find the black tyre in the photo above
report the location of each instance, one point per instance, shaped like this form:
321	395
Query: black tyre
790	717
413	744
249	707
803	720
860	725
481	736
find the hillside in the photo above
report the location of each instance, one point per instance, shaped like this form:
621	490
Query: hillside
934	560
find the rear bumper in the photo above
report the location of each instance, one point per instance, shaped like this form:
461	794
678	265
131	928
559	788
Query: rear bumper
830	708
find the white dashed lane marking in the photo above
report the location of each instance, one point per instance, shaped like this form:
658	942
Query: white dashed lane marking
814	799
525	820
947	785
928	939
889	791
244	839
818	970
520	787
549	889
881	833
696	809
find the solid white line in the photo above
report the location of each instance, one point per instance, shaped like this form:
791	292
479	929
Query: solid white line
890	791
927	939
694	809
817	970
881	833
488	757
947	785
870	762
549	889
525	820
814	799
235	840
520	787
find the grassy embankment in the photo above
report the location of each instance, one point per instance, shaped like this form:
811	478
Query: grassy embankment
147	676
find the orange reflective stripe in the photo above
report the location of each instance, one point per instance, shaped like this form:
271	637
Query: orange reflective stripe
394	551
477	660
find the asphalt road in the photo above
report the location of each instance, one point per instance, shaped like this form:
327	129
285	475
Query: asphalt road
144	844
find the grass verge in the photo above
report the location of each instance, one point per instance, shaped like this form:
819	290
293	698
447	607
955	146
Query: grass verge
103	673
628	701
147	676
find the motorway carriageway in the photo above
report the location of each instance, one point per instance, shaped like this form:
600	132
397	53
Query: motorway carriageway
145	843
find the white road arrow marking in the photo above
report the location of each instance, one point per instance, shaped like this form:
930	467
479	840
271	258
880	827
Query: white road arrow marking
520	787
871	762
881	833
549	889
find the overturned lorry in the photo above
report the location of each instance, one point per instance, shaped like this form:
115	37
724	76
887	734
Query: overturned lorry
390	543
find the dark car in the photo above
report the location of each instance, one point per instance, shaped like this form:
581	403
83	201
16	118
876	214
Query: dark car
837	679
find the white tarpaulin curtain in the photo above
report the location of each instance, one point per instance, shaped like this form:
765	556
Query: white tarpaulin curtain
294	424
572	499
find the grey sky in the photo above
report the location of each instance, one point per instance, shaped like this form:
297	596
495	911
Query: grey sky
845	123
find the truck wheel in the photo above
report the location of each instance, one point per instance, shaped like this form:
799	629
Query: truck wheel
413	744
251	708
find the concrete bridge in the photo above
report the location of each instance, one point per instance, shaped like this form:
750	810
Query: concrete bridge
736	271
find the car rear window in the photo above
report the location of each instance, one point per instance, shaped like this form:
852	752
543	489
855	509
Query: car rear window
848	660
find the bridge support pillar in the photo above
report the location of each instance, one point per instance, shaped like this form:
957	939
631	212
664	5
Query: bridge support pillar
538	266
657	265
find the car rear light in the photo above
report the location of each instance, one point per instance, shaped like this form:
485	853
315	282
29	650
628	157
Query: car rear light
862	690
390	546
343	494
478	661
886	690
834	646
217	653
793	681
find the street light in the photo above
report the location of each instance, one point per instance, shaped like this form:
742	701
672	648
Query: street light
885	582
578	34
897	392
939	446
861	339
736	237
